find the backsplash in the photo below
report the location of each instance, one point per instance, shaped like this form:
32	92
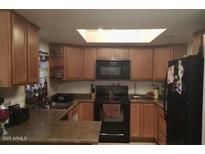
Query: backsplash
14	95
83	87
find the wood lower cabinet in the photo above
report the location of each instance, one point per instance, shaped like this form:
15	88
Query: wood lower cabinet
142	121
161	57
90	56
18	50
141	63
147	120
161	127
135	120
156	121
86	111
74	63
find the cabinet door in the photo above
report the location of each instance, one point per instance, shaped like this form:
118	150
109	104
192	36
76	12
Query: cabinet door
141	63
5	48
74	63
135	120
106	53
178	51
19	50
86	112
33	53
197	41
147	120
90	56
156	120
161	57
121	53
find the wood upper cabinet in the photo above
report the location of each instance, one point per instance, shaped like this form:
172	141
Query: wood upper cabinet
19	50
197	41
5	48
74	63
106	53
90	56
178	51
135	120
141	63
147	120
121	53
33	54
86	112
161	57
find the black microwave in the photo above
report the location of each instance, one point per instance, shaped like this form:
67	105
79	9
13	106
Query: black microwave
113	69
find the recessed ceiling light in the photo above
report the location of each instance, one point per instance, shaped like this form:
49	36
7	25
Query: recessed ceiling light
119	35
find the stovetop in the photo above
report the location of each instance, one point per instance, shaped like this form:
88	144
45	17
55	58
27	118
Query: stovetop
112	94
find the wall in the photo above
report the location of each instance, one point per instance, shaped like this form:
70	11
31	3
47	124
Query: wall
14	95
203	118
83	87
52	86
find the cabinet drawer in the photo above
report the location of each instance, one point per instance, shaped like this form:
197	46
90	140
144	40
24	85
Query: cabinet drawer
162	139
162	125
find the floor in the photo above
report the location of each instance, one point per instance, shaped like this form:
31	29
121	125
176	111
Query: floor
131	143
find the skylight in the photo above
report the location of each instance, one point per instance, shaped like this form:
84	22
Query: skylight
119	35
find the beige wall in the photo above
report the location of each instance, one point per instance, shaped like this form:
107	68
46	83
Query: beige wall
15	95
84	86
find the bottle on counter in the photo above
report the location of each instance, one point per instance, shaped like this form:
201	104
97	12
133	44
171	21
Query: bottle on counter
92	91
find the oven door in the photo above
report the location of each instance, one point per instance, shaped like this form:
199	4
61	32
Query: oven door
115	119
113	69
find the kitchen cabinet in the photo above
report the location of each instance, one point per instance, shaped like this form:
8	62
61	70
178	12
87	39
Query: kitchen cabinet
90	56
73	115
141	63
161	127
19	50
74	63
161	57
33	54
142	120
147	120
197	41
135	120
121	53
106	53
57	61
156	121
178	51
86	111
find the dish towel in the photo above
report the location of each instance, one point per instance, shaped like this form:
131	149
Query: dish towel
111	110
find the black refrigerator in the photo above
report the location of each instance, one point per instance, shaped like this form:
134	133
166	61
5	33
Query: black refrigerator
184	100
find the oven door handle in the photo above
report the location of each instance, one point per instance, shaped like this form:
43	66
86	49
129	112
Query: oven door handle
112	134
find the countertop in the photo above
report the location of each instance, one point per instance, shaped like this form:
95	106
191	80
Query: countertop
45	127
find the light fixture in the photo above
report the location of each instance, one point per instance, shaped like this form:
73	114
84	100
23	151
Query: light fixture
119	35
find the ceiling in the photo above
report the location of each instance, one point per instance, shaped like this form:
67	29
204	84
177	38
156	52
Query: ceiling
60	25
